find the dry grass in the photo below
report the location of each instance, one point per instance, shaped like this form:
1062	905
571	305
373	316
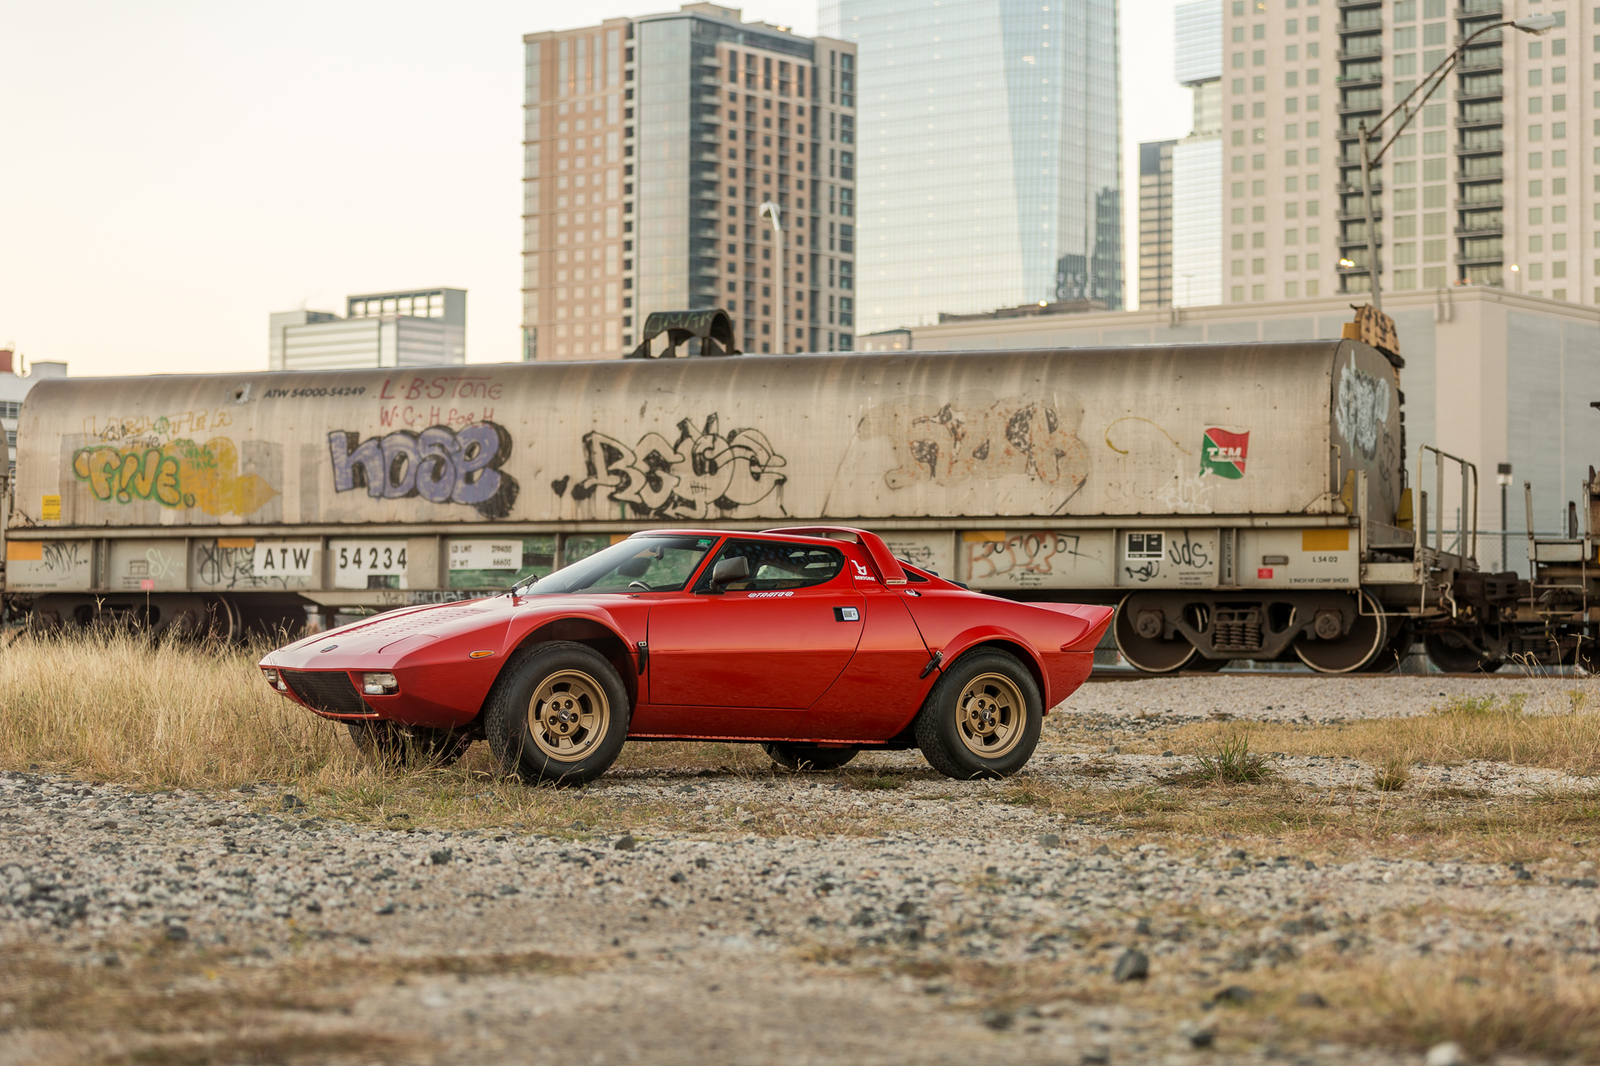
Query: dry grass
1454	732
1496	1003
172	1004
122	708
1493	1003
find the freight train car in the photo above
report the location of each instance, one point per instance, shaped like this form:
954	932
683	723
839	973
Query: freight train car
1237	501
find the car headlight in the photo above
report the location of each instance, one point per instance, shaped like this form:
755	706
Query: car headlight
382	684
275	680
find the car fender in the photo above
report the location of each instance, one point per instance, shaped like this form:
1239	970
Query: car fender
587	622
1018	645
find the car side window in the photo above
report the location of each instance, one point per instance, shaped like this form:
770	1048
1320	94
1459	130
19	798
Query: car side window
777	565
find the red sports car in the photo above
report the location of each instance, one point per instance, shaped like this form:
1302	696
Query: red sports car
814	642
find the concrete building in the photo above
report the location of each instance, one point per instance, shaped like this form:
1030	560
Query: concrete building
650	146
14	387
1197	159
1492	376
1155	223
418	327
990	155
1494	183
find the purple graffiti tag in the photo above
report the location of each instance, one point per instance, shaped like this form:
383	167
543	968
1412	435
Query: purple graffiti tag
438	464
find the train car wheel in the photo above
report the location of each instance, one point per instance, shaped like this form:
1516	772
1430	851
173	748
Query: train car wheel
1356	650
1450	653
1149	653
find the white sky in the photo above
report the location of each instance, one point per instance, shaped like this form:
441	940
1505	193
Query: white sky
172	172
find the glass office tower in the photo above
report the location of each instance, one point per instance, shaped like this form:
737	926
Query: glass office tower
990	160
1197	160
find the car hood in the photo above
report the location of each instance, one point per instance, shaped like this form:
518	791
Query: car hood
413	627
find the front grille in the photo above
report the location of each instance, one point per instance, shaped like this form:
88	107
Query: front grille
329	691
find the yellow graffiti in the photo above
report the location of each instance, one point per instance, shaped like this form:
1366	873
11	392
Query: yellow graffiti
1136	418
180	473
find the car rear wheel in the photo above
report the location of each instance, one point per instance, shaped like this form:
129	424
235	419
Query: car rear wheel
409	745
808	757
982	718
558	714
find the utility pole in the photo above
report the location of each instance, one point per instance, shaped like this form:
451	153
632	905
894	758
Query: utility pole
1538	25
770	212
1504	477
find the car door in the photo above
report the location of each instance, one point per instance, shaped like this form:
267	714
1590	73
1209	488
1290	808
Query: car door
775	640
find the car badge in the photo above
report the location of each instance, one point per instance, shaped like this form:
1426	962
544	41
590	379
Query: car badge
329	648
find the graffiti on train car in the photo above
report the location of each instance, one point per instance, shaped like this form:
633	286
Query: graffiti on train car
980	437
178	474
63	556
156	430
1362	409
1027	558
439	464
704	474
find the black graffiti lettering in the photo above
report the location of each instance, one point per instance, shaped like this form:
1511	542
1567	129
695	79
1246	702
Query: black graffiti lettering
1190	553
703	474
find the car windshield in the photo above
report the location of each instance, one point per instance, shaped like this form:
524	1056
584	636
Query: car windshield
638	564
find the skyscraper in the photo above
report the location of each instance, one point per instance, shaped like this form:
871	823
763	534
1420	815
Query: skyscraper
650	146
1495	181
1197	160
1155	223
990	159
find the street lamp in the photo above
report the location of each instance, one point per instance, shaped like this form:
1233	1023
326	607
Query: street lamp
1504	477
770	212
1535	24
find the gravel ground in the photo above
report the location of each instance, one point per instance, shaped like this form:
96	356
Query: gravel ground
720	946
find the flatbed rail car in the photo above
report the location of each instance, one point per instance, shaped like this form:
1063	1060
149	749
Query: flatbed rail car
1237	501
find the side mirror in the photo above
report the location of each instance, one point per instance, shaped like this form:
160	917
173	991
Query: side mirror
728	571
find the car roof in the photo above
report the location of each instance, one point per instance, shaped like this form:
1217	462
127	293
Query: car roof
754	534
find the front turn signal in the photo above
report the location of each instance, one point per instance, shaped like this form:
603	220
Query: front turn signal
274	679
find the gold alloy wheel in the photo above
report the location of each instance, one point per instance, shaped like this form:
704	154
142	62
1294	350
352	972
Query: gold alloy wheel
568	715
991	715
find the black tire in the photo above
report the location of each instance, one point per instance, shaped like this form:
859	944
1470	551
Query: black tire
950	729
565	679
409	745
811	758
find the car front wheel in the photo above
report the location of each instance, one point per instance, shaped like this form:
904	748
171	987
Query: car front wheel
558	714
982	718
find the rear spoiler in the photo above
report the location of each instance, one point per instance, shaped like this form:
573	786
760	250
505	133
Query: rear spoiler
878	552
1095	617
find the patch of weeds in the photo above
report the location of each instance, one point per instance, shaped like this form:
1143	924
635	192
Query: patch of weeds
1456	792
1096	767
1231	762
1468	706
1393	774
876	783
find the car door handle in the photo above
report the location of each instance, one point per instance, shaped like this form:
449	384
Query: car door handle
846	614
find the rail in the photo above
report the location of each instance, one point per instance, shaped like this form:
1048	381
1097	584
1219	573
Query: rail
1466	522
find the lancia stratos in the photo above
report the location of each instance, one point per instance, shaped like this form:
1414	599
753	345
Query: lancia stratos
815	642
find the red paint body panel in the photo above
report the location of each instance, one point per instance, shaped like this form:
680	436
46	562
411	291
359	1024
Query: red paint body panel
736	665
751	649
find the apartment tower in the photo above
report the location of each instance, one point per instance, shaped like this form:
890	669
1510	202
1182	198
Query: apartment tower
1495	182
1155	223
990	155
650	147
